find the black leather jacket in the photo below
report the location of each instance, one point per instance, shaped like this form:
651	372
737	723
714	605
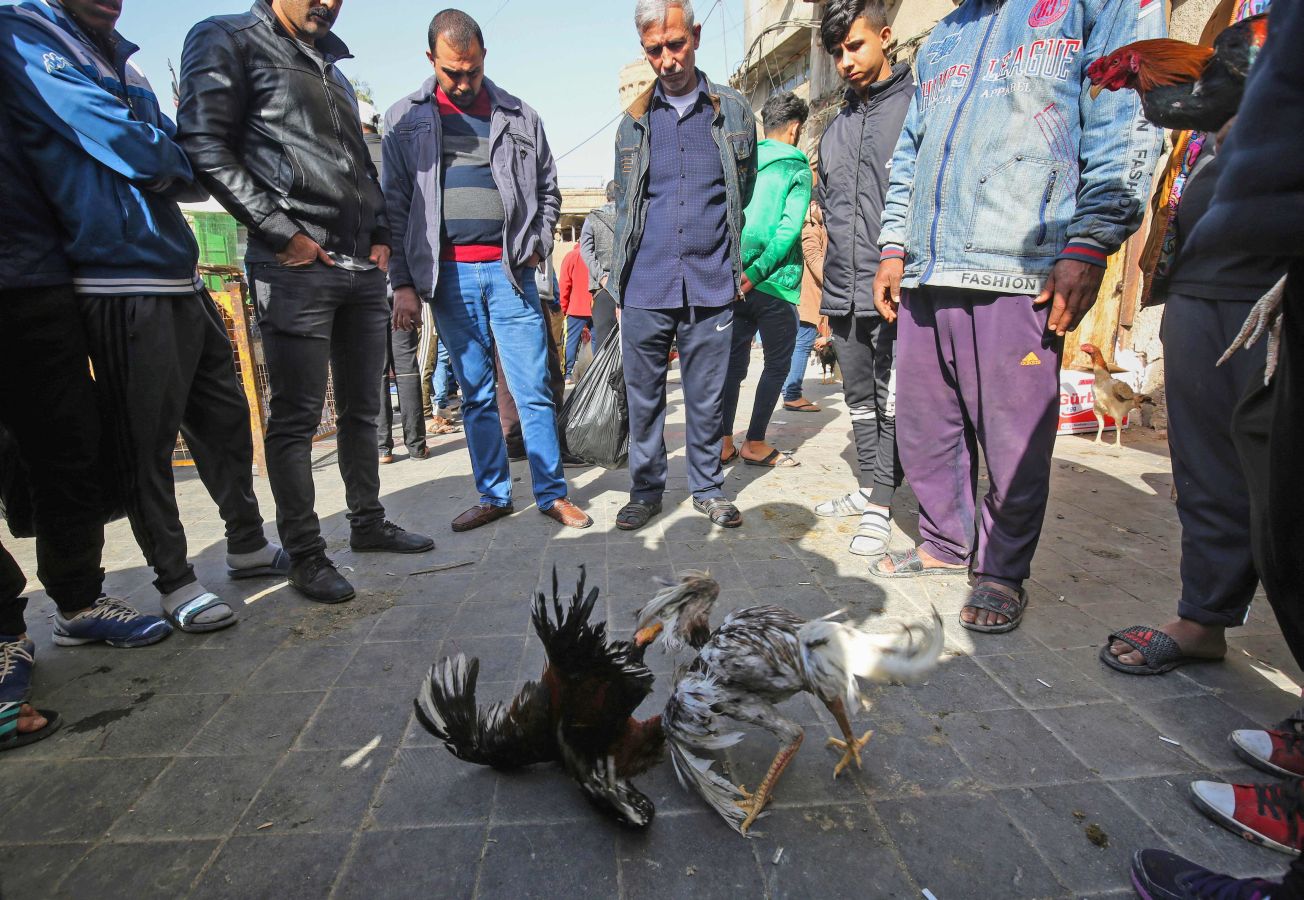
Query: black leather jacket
272	131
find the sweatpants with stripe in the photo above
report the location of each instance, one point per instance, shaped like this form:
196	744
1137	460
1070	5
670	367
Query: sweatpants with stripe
975	369
163	364
866	347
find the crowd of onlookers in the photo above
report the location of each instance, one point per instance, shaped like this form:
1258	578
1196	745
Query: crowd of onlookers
949	227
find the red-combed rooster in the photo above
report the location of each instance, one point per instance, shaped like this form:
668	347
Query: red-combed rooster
578	714
1184	86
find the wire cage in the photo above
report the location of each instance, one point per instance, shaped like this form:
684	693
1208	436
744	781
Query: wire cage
227	286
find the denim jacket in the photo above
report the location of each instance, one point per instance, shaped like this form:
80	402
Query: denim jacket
734	130
1005	163
523	170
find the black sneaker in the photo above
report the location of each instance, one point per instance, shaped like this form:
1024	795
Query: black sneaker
389	538
1160	875
317	579
571	461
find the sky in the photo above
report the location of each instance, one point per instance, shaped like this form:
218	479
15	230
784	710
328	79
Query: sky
563	57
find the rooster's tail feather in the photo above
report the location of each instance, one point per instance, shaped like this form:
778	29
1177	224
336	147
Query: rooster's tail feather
690	724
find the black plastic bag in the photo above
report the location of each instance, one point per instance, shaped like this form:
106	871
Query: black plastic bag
595	417
15	494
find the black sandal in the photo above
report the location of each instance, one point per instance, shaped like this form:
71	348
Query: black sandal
992	600
636	513
1159	652
11	738
720	511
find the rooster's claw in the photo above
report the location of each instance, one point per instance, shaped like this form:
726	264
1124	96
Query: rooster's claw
851	751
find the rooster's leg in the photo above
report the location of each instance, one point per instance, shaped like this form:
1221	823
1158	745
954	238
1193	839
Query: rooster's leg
756	802
852	745
1100	425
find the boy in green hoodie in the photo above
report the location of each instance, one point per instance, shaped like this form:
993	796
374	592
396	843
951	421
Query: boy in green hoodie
772	257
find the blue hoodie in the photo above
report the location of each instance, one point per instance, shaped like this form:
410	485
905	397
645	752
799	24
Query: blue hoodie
102	152
1006	163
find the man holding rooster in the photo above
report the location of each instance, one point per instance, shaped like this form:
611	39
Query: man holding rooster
1010	189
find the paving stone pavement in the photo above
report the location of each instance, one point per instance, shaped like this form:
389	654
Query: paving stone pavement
280	758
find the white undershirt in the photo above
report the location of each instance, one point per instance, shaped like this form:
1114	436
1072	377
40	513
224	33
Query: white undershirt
683	104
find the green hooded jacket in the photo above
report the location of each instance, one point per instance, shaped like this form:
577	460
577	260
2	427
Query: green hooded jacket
771	251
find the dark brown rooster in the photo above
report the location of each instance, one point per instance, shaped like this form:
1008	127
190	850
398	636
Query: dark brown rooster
578	714
1185	86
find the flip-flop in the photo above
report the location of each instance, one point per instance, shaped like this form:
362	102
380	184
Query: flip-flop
775	460
1158	650
725	460
985	597
908	564
183	617
11	739
806	407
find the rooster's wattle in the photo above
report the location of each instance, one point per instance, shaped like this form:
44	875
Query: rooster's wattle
1185	86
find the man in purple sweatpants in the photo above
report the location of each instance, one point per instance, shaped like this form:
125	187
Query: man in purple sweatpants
1010	188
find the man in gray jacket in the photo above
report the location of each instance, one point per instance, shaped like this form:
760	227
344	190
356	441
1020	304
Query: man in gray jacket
471	191
597	239
854	157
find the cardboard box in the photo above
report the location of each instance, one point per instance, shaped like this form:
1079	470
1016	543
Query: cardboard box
1077	401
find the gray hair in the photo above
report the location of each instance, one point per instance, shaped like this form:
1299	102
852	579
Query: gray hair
654	12
613	189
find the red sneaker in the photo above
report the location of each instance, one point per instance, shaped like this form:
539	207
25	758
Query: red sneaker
1268	814
1277	750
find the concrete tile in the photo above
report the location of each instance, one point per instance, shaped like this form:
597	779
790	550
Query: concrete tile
396	665
303	667
161	869
35	870
500	657
1114	742
429	786
493	618
912	757
1043	681
353	718
304	866
311	791
145	726
255	725
413	623
416	863
960	684
516	855
98	790
952	844
1009	747
1057	819
688	855
196	797
1201	724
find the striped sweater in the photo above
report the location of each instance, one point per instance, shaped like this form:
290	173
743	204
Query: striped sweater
472	229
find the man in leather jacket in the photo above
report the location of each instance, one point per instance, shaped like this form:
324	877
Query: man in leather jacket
271	127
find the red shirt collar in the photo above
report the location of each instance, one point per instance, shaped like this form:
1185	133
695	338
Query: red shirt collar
481	107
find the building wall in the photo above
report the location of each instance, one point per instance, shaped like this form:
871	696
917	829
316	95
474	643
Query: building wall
635	78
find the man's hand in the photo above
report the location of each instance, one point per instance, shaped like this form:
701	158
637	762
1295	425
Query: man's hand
380	256
303	251
602	282
887	288
407	309
1073	286
533	261
747	285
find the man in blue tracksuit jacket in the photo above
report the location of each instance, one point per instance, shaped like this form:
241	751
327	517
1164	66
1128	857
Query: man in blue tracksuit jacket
1011	186
104	155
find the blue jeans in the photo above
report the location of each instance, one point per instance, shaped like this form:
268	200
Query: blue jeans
806	335
575	326
442	379
475	306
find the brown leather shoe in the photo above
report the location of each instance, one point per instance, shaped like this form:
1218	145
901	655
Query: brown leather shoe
568	514
480	515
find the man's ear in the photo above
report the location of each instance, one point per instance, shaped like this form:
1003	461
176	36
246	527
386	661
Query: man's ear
430	55
885	35
697	36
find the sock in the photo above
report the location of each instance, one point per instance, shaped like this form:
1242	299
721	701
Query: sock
184	594
255	560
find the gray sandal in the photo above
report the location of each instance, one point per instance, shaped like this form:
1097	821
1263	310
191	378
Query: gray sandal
908	565
185	614
988	598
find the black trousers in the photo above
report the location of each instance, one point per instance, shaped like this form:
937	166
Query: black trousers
314	320
604	317
47	402
866	348
1269	429
776	320
402	357
1218	575
164	365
